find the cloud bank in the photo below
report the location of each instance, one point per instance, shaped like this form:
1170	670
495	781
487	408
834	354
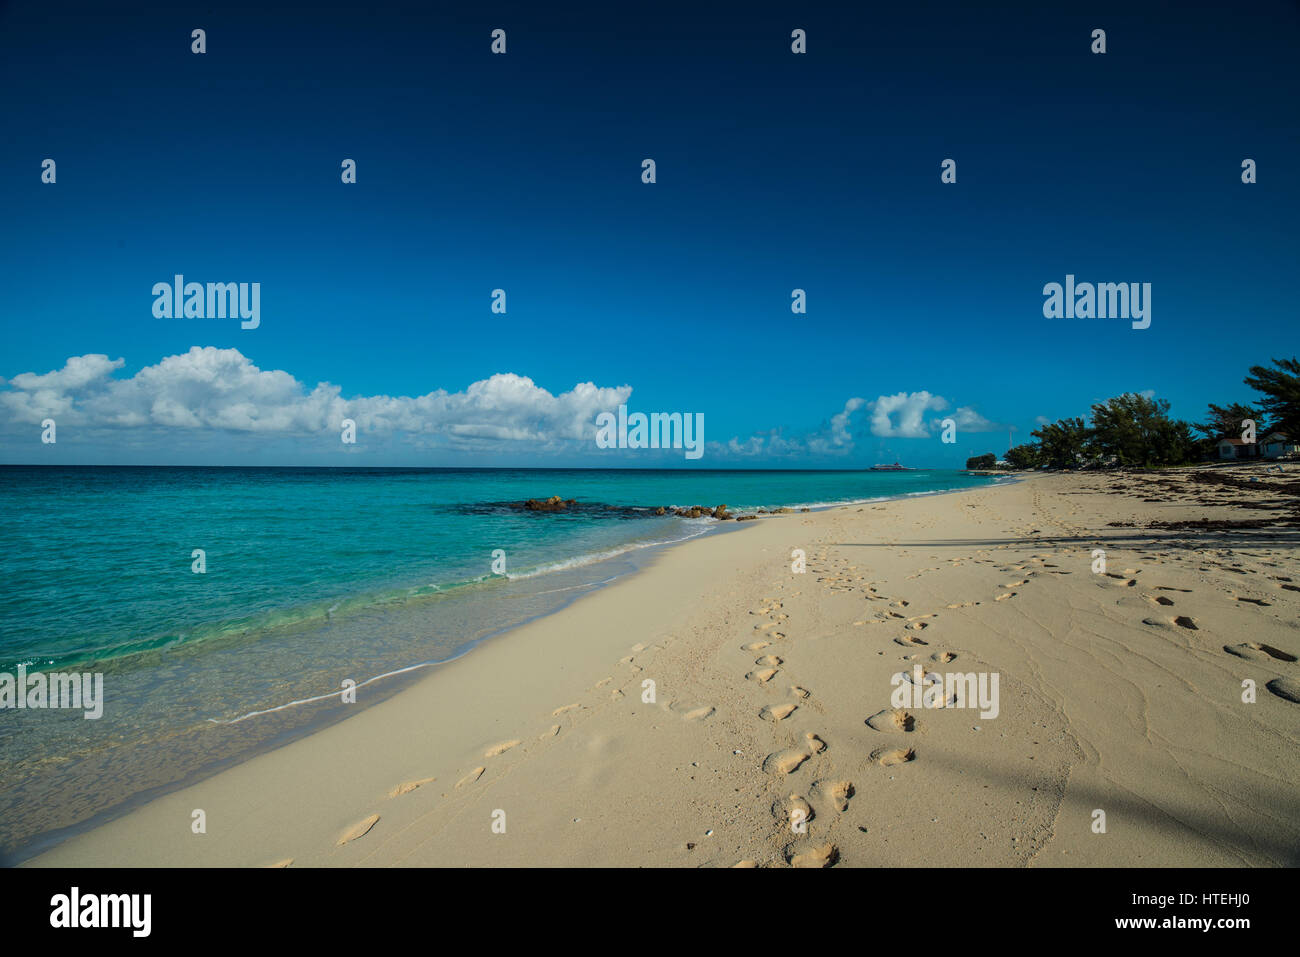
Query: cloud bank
899	416
209	388
188	398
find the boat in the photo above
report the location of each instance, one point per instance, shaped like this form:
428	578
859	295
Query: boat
891	468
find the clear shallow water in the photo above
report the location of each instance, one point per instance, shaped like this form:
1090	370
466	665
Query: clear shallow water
313	576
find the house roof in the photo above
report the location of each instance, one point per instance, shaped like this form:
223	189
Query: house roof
1235	442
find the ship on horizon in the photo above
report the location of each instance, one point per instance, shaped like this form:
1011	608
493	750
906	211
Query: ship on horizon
891	468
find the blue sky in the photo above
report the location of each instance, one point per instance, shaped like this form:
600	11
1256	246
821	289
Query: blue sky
774	171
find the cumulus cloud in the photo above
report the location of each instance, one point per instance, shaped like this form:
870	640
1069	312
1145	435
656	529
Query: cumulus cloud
840	422
902	415
210	388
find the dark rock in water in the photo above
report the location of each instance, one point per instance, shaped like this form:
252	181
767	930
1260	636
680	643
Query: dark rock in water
552	504
573	508
778	511
746	518
805	510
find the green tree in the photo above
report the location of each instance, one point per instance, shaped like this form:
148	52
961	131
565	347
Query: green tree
1027	456
1137	431
1064	444
985	461
1281	395
1174	444
1224	422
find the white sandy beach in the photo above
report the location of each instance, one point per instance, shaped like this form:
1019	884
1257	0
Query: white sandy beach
1118	693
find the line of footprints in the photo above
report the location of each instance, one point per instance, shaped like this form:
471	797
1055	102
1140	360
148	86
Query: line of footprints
771	646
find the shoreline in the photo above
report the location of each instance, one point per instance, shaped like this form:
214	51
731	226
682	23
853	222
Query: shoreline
450	725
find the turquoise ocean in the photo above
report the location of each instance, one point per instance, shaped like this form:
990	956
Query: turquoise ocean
312	576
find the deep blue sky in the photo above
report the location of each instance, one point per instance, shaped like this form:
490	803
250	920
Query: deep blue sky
775	171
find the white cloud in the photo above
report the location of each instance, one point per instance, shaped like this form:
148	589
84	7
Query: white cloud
968	420
910	409
209	388
840	422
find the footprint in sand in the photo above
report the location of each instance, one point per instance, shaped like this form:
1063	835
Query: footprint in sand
555	729
699	714
755	646
1255	601
1159	599
1285	688
784	762
406	787
1005	596
763	676
777	712
823	856
800	692
891	719
836	793
816	744
471	777
906	640
770	661
1257	651
888	757
785	811
360	829
501	748
1183	621
943	657
563	708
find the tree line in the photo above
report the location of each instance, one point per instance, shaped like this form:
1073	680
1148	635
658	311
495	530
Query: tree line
1136	431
